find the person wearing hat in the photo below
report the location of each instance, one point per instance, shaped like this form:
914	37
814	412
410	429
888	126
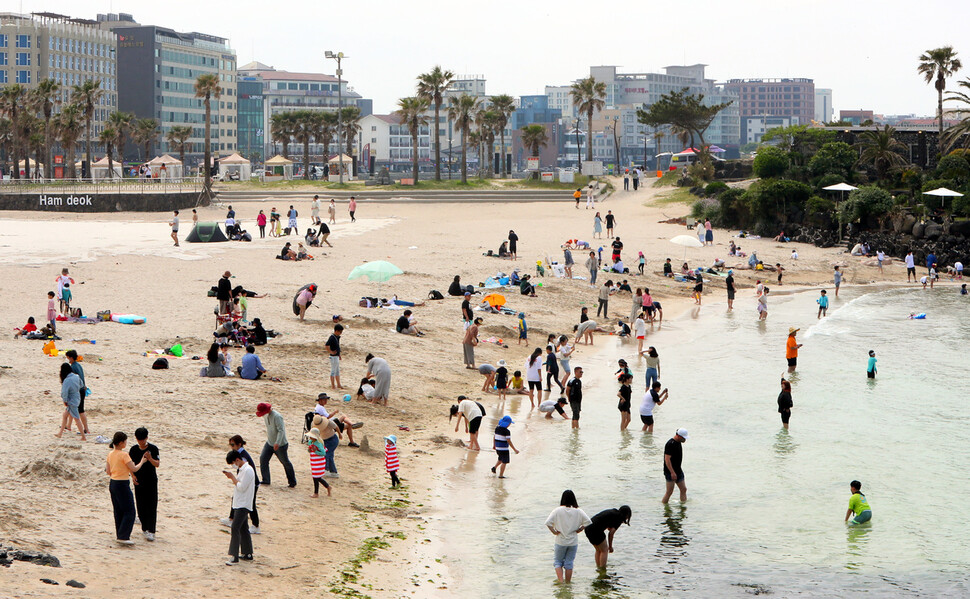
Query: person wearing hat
673	473
305	299
391	462
501	443
473	414
729	285
318	461
276	444
554	405
606	521
344	424
791	349
224	292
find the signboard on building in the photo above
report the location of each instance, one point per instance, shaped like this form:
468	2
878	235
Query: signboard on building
532	163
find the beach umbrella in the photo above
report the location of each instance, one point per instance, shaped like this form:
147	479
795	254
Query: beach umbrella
378	270
688	241
841	188
943	192
495	300
715	150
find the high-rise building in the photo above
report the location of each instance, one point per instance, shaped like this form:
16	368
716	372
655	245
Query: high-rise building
70	51
157	71
249	142
561	99
775	97
824	113
284	91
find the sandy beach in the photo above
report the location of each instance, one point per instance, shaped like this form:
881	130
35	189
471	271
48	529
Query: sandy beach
55	497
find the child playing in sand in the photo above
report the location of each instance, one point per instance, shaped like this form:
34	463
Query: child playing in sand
517	384
781	271
523	329
823	304
502	379
391	462
64	282
501	443
318	461
30	327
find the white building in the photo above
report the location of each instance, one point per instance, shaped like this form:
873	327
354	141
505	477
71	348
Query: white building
755	127
824	113
387	143
560	98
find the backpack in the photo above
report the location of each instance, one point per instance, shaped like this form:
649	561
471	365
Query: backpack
434	294
160	364
307	424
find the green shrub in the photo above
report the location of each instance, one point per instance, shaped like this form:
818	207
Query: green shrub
770	162
836	158
705	209
826	180
866	204
952	166
772	200
715	188
820	211
733	211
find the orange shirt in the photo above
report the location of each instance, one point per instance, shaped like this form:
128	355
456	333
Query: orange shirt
791	351
118	463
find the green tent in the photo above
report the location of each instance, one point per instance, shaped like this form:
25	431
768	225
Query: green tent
206	233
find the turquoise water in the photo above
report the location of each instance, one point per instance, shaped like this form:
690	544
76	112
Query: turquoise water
766	507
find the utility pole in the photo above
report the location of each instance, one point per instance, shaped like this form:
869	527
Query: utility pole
338	56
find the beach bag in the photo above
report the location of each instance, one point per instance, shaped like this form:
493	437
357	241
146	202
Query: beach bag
482	408
76	313
104	315
434	294
307	424
160	364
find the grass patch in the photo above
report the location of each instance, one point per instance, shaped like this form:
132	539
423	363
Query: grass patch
669	179
580	181
680	195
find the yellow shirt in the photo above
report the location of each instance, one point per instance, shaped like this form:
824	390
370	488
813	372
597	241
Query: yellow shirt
118	464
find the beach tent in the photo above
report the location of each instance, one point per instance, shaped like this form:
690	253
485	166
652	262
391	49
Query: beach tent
235	164
99	169
334	164
206	233
172	170
278	168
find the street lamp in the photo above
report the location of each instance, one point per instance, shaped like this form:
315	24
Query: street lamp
338	56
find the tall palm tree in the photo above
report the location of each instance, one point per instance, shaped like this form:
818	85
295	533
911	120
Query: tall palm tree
282	127
504	106
938	64
70	124
328	128
207	87
461	111
88	95
350	116
12	96
145	132
305	128
107	139
432	86
410	112
122	123
47	92
534	137
178	137
27	127
488	124
6	141
882	150
589	95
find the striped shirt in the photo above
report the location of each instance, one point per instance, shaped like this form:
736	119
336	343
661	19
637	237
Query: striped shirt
318	459
502	436
391	463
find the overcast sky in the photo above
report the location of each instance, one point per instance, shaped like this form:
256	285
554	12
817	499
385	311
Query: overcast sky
865	51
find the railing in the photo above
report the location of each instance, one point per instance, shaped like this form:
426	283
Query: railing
102	186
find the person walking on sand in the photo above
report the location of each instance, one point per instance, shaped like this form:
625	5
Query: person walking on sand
837	279
636	179
513	245
76	367
729	284
469	342
859	509
174	223
597	226
610	223
708	232
276	444
626	184
237	443
791	349
466	310
333	349
64	282
315	210
698	287
51	312
673	472
910	267
146	482
119	469
590	197
261	223
871	365
566	522
501	443
379	370
574	394
473	414
318	461
391	461
592	265
243	499
71	397
604	299
651	399
596	531
785	403
577	195
352	208
568	262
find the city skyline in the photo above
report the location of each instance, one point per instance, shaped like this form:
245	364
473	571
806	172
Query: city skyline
871	67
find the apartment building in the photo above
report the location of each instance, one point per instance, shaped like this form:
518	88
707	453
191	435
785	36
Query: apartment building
793	98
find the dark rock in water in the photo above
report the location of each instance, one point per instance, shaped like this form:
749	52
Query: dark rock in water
75	584
48	581
34	557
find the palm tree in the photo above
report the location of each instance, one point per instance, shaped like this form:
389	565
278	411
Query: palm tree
328	127
107	139
588	96
534	137
88	95
410	112
122	123
939	64
146	132
207	87
70	124
504	106
882	150
46	94
305	129
488	121
350	116
12	96
282	127
6	140
431	87
178	137
461	111
27	125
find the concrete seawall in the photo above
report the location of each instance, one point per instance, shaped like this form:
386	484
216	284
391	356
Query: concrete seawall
75	201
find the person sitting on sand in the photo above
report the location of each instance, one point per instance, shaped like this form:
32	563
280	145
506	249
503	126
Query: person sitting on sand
517	384
406	325
366	390
619	268
312	238
781	237
455	289
526	286
503	250
301	253
668	269
30	327
252	367
287	253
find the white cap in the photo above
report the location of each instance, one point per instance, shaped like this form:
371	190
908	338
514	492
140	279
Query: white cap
682	432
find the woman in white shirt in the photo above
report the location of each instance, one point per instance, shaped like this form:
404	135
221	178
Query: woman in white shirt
564	351
566	522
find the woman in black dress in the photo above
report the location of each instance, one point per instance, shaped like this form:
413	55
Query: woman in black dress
513	239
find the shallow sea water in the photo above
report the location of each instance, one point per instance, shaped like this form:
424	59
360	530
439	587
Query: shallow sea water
765	507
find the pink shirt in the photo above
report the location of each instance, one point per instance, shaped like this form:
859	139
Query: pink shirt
261	220
647	300
51	310
353	205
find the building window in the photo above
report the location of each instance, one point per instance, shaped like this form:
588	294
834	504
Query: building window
3	58
23	59
23	77
23	41
3	76
3	40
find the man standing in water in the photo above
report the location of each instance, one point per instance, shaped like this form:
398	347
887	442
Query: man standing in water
729	283
574	393
673	473
857	505
871	367
791	349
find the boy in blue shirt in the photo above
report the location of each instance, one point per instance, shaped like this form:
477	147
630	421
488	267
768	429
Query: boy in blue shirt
501	443
871	368
823	304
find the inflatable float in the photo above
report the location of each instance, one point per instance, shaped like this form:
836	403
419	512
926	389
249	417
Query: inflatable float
296	306
128	318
